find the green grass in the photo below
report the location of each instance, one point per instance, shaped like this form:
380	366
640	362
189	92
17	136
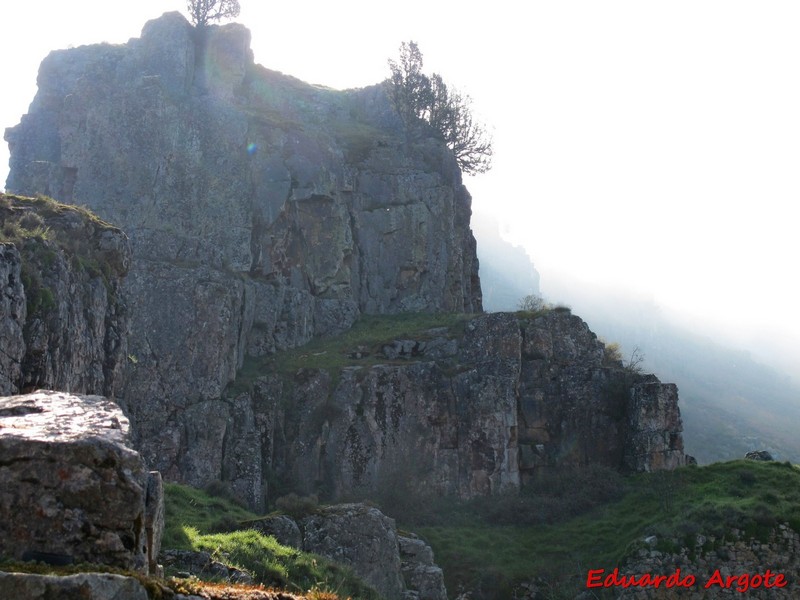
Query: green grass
749	496
188	508
193	516
367	336
48	207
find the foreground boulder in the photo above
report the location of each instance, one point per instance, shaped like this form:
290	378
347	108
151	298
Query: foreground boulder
83	586
71	489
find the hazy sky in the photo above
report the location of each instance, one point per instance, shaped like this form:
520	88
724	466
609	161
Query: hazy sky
650	145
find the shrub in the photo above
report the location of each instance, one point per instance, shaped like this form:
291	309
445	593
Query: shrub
531	303
296	506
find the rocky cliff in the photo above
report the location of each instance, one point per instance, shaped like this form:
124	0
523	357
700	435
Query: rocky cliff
474	407
63	322
262	211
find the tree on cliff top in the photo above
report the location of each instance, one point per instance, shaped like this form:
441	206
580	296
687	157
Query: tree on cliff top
418	98
204	11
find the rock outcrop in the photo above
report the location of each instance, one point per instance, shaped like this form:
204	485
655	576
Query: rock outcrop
423	578
262	211
469	410
71	488
759	455
366	540
63	322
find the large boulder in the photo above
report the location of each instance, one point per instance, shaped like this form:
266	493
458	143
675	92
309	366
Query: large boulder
71	489
361	537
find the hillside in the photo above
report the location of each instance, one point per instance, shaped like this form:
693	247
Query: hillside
700	519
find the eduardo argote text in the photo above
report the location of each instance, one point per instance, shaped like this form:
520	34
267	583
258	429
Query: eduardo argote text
599	578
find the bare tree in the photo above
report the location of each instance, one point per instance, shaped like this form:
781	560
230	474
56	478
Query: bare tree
466	137
203	12
531	303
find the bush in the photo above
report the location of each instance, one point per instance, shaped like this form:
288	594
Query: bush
531	303
296	506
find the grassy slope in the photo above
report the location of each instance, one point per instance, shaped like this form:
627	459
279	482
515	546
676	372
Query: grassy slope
367	336
192	516
676	506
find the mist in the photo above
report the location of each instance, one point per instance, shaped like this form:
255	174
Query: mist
735	396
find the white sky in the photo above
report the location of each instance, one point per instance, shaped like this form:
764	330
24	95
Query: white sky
650	145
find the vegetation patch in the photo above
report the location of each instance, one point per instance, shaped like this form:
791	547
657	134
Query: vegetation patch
193	516
361	345
187	507
480	551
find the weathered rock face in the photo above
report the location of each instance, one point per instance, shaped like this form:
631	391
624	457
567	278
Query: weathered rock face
461	413
71	489
63	323
262	211
363	538
653	439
